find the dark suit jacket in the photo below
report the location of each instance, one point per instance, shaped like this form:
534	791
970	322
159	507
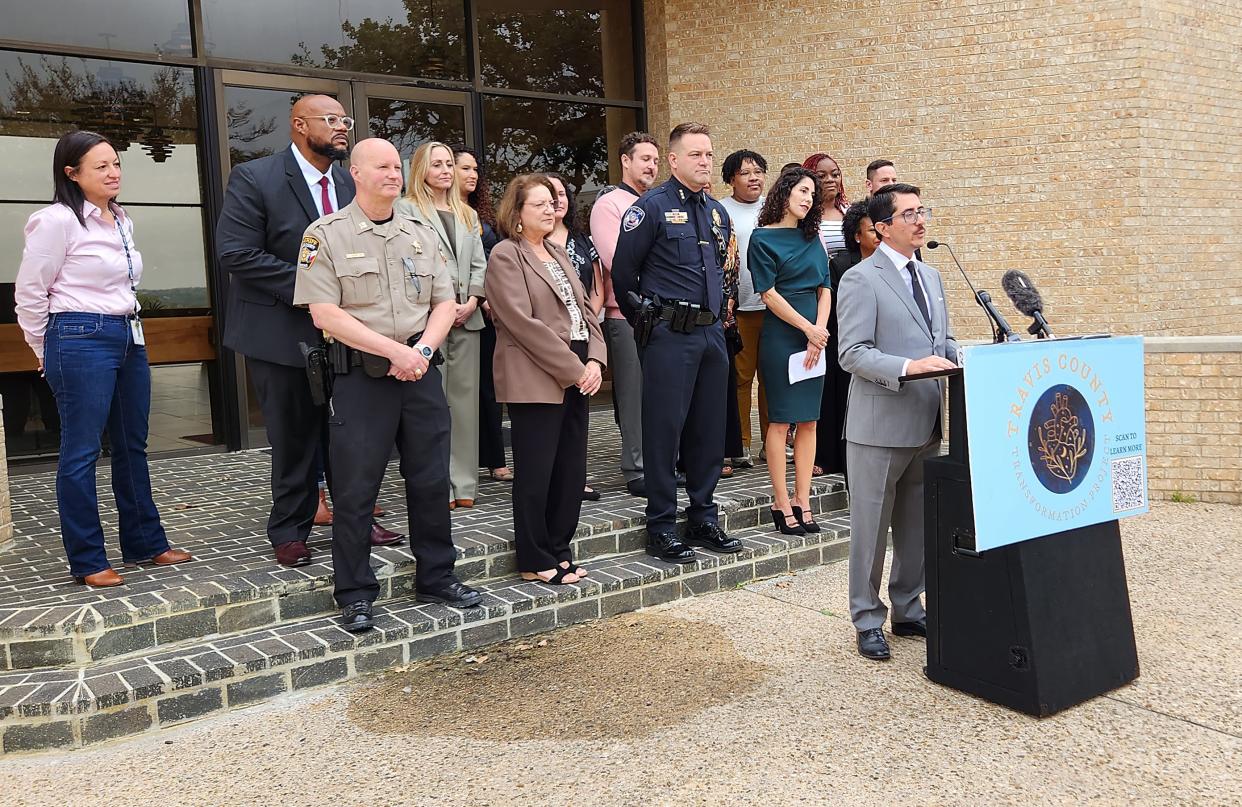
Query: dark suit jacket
267	208
534	362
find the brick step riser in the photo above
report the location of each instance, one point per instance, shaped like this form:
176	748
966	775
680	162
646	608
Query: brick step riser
177	701
83	647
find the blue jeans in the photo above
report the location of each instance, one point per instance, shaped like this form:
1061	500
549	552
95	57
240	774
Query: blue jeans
101	378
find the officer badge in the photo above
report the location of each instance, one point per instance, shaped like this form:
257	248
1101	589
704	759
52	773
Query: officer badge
633	217
306	255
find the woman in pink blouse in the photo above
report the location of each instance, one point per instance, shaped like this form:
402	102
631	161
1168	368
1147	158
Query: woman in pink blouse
77	304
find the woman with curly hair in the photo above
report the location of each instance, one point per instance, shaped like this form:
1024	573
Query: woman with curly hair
832	188
472	184
790	271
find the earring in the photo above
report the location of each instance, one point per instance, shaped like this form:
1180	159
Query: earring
519	227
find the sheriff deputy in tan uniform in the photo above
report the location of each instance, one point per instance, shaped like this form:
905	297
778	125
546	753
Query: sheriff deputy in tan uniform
379	284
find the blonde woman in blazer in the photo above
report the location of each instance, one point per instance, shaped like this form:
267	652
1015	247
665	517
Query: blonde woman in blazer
549	359
433	198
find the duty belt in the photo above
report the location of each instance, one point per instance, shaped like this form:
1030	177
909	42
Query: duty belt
687	313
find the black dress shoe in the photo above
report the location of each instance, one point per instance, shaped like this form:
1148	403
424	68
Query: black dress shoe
455	595
637	487
918	628
710	536
667	546
383	537
873	645
356	617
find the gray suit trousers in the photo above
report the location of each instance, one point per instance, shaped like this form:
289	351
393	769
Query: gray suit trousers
460	372
627	392
886	487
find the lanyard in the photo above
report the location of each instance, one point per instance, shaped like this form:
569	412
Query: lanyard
129	259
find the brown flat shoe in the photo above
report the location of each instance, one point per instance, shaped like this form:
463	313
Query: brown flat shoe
323	513
464	502
377	511
170	556
105	579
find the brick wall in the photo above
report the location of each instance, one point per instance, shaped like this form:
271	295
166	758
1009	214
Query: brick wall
1076	141
1194	418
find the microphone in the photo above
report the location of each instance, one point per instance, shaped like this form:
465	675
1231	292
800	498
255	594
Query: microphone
1028	301
1001	332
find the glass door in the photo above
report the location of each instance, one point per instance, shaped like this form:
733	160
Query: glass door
408	117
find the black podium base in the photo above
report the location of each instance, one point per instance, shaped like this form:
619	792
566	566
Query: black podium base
1037	626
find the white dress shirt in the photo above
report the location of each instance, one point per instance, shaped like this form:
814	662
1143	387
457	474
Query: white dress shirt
312	176
900	262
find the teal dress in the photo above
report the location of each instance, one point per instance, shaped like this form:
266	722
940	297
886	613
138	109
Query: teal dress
780	257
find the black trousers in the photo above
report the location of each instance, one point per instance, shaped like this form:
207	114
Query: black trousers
549	471
368	416
297	431
491	435
733	420
685	377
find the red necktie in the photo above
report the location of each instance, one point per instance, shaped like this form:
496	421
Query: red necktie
323	196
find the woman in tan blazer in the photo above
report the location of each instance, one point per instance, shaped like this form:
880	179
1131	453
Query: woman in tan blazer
549	357
432	197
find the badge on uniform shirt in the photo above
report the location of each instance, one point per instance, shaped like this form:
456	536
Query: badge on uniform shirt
676	217
418	248
633	217
306	255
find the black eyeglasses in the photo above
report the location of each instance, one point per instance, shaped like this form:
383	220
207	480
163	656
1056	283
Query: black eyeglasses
911	216
333	121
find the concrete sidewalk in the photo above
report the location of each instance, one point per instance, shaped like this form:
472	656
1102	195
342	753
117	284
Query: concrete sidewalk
782	711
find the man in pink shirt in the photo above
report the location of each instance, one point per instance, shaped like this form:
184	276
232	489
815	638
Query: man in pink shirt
640	163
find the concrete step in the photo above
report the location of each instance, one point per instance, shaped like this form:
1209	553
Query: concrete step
103	699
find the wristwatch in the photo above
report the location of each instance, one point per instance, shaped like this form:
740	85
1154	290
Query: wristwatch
425	351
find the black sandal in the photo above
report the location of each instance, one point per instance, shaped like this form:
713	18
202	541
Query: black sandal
557	579
574	568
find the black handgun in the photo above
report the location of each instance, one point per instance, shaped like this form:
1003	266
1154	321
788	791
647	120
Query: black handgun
317	374
645	322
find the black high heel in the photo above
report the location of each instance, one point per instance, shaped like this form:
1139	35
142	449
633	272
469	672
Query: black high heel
808	523
781	522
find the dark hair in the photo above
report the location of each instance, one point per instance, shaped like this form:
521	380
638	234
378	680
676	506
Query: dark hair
70	150
509	216
854	215
882	205
733	163
683	129
876	165
787	166
630	142
778	199
570	214
481	197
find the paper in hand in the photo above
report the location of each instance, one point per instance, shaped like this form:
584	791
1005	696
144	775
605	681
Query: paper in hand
798	372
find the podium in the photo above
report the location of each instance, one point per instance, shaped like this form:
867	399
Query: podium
1031	618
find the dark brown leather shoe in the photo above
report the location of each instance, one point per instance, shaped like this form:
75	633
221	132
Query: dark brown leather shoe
323	513
377	511
170	556
105	579
383	537
464	502
294	553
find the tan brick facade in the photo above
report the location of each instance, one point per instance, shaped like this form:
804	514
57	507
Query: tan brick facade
1094	145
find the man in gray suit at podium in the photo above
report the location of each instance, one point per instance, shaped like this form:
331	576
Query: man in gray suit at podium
892	322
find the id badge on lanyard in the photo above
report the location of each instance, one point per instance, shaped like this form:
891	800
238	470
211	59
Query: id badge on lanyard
135	322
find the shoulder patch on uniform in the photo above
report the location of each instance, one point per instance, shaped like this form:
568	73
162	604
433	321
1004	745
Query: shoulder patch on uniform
632	218
308	251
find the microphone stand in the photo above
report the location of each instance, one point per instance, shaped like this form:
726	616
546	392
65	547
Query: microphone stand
1001	332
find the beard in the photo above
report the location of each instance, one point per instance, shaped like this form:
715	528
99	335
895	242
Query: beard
328	149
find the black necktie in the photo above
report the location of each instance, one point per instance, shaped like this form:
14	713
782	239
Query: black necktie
917	288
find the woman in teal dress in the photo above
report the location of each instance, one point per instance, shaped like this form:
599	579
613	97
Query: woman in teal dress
790	271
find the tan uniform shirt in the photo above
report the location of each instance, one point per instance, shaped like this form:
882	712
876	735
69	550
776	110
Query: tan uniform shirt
387	276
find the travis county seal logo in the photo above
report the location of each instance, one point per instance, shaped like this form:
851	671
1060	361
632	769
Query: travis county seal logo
1061	438
633	217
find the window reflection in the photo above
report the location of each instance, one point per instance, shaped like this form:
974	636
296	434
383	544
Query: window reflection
143	26
257	121
567	47
575	140
413	38
408	124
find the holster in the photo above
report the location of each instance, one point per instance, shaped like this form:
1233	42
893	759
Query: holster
644	323
317	372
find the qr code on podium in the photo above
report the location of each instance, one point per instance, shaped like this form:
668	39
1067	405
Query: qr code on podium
1129	484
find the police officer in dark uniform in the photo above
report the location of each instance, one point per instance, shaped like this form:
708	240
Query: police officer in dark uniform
379	286
668	275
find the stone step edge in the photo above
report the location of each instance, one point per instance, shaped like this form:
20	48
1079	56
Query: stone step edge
55	642
64	723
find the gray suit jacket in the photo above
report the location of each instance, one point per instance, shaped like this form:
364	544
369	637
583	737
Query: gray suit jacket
471	263
878	328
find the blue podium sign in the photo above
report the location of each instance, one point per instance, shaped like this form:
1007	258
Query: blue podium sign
1057	435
